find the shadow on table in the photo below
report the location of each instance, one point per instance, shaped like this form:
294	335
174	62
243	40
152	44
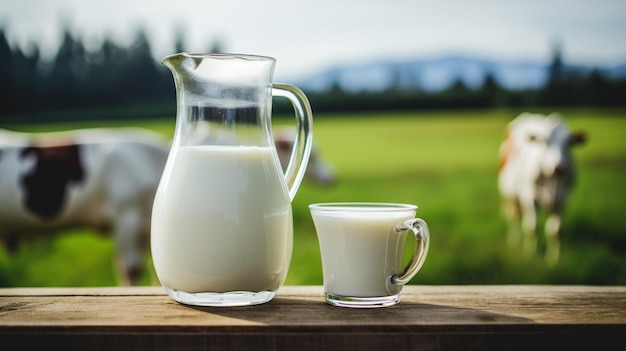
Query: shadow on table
311	312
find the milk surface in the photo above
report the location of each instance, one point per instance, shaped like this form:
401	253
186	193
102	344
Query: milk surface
222	221
361	251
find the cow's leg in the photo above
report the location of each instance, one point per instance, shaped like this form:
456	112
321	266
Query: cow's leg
553	242
128	232
511	213
10	241
529	225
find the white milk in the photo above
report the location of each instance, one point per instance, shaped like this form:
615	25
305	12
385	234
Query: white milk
361	251
222	221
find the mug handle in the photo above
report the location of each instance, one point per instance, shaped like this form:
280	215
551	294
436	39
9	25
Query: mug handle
422	239
303	142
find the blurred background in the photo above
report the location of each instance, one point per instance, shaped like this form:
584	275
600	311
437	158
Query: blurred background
403	54
450	74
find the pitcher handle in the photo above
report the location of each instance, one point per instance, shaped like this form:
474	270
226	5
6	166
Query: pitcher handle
303	142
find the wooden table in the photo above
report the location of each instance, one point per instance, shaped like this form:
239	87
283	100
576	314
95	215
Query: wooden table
428	318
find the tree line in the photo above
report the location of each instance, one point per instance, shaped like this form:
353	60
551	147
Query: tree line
112	75
127	78
565	87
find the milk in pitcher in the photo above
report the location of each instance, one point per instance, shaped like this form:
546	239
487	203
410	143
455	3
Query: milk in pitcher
223	221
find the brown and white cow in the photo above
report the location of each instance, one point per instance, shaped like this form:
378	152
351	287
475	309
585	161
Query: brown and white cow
537	172
318	170
99	178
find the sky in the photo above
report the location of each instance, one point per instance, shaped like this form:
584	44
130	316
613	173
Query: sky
308	36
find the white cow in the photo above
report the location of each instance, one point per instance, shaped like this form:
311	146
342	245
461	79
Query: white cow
99	178
536	174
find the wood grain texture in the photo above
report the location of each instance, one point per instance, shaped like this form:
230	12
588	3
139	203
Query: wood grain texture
428	317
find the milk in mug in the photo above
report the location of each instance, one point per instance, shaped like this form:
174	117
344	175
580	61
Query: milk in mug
222	221
361	251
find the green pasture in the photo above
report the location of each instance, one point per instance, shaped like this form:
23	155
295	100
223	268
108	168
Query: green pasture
446	163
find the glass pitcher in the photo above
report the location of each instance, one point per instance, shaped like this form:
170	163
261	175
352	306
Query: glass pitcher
222	231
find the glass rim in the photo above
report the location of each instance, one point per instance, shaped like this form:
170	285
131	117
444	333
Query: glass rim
361	206
226	55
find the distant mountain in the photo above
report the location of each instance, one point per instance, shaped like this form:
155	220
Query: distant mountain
437	74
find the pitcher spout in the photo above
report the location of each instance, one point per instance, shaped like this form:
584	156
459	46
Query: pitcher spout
181	63
173	61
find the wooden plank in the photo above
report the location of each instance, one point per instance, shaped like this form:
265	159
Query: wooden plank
419	305
428	317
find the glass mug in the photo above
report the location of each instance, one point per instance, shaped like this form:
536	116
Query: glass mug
362	246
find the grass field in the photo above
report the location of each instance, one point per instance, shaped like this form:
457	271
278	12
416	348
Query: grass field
445	162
